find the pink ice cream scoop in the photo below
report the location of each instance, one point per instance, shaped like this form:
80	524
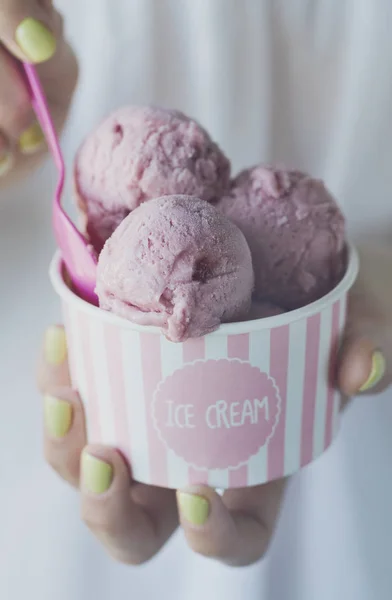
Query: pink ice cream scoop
295	230
176	263
140	153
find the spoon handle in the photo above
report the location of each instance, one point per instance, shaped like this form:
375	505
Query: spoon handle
42	112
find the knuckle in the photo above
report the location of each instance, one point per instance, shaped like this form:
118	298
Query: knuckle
3	143
72	70
126	557
15	106
208	549
64	463
247	560
250	557
58	24
22	109
106	529
228	554
102	522
18	116
64	79
107	526
71	465
54	460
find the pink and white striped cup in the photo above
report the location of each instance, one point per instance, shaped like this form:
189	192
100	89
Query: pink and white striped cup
251	402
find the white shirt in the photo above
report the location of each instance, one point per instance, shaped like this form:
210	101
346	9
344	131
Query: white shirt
304	82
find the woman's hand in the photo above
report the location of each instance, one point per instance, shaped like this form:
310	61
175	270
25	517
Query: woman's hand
31	31
132	520
366	357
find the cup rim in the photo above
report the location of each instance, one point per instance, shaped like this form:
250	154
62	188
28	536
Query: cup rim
238	328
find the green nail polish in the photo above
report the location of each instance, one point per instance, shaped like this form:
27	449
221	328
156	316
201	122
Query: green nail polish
97	475
58	416
35	40
195	509
31	140
55	346
377	372
6	163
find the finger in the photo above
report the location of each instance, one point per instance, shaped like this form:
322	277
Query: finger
20	131
64	432
132	522
28	29
362	367
6	156
53	370
235	529
37	37
64	424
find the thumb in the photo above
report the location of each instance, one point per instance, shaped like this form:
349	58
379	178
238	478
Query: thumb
366	349
362	367
29	29
53	370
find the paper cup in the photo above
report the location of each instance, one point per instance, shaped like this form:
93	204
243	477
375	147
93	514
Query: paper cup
249	403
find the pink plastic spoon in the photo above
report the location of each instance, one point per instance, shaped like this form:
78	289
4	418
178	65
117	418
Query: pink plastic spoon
78	255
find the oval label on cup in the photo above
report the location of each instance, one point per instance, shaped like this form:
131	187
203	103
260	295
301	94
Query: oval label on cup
216	414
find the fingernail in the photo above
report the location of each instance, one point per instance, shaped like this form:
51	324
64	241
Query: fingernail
58	416
35	40
377	372
97	475
194	509
55	346
6	163
31	140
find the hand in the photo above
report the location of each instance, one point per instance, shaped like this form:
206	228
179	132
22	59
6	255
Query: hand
30	30
132	520
366	356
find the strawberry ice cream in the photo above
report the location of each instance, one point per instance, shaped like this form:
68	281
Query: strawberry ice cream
140	153
295	230
176	263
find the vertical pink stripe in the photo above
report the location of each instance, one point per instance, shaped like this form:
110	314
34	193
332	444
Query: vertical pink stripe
197	476
279	358
193	350
334	348
152	373
238	347
112	336
70	342
93	411
310	387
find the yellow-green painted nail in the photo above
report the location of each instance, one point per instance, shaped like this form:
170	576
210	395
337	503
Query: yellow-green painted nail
31	140
194	509
55	346
6	163
377	372
58	416
35	40
97	475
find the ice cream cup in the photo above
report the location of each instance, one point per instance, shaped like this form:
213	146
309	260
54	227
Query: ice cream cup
249	403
